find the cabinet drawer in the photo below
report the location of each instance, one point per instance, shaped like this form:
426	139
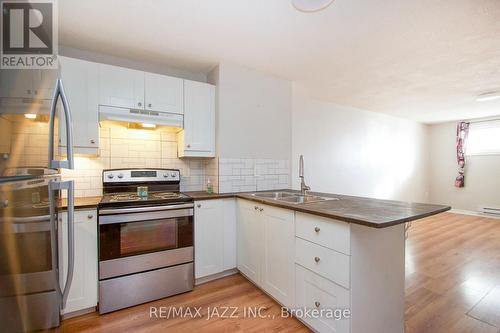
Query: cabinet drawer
315	292
330	264
327	232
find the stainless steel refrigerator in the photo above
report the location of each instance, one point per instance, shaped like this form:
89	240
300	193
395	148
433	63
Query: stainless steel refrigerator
32	103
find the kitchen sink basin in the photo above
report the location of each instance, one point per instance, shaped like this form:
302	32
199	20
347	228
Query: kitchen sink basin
274	195
292	197
302	199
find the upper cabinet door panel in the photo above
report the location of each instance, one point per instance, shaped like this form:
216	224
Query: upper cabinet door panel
44	82
164	93
80	79
17	83
121	87
199	117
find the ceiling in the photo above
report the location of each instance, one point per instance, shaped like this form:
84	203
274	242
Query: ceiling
424	60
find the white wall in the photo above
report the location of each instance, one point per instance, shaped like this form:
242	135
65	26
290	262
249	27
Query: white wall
357	152
253	113
482	182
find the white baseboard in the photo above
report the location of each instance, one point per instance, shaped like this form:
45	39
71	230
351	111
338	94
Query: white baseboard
473	213
216	276
79	313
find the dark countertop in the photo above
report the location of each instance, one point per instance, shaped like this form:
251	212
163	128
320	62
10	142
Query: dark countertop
201	195
374	213
82	202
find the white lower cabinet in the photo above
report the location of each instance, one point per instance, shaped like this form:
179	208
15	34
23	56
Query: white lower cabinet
214	236
316	292
265	248
249	230
278	276
331	264
83	291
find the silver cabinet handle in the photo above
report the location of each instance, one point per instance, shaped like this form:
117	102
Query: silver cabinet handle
139	104
53	163
69	186
92	141
28	91
90	216
317	229
198	205
317	304
317	259
189	146
149	105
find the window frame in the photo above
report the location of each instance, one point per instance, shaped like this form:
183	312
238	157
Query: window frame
483	125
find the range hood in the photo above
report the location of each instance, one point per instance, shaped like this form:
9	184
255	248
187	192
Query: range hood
140	116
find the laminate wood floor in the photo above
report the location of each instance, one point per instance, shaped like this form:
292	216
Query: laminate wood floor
453	275
452	286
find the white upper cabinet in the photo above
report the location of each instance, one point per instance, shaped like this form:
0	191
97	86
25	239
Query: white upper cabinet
80	79
44	81
163	93
33	83
16	83
121	87
198	137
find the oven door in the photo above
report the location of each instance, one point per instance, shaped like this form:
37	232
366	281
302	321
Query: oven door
139	239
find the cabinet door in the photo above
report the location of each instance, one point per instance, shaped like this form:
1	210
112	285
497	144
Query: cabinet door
44	82
316	292
208	237
250	230
17	83
83	291
229	233
163	93
121	87
279	267
199	117
80	79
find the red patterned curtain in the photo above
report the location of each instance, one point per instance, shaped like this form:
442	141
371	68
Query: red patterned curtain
462	133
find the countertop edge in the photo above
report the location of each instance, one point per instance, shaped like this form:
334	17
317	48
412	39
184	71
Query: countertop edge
93	202
378	225
80	203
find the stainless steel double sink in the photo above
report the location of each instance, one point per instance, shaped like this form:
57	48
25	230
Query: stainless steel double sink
291	197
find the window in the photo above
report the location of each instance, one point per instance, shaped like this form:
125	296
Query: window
484	138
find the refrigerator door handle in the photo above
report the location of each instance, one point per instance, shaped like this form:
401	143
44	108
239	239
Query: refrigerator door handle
53	163
69	186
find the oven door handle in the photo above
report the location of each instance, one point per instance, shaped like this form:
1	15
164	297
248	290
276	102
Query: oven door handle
108	211
145	216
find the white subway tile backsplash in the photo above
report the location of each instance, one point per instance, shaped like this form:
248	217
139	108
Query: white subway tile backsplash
246	174
121	147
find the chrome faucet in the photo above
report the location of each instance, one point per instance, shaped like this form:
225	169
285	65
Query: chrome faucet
303	187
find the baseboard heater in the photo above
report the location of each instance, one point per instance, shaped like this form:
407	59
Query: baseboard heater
490	210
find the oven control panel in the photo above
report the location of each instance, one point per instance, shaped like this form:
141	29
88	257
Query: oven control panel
140	175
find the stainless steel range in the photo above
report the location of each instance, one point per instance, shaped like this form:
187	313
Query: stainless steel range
145	242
